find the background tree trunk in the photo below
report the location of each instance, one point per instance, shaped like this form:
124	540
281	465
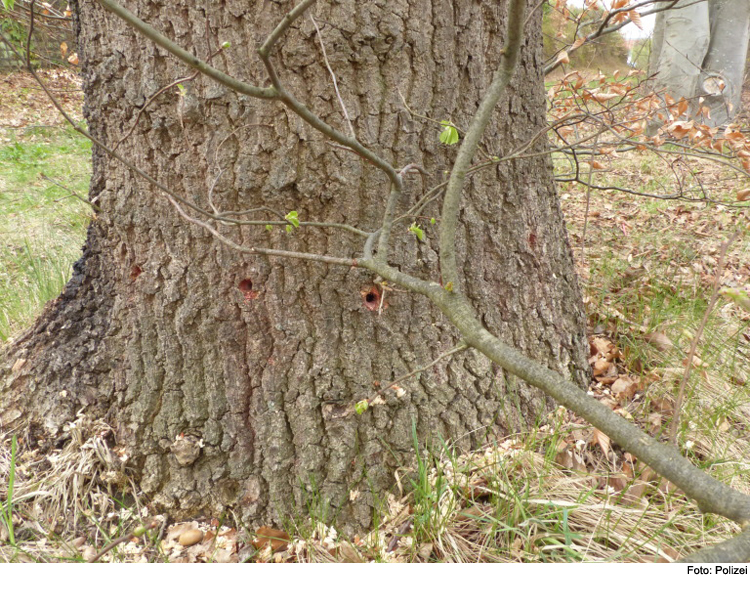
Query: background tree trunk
230	380
699	49
725	60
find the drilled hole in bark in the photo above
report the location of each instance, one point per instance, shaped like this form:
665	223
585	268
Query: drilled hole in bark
135	270
371	298
246	287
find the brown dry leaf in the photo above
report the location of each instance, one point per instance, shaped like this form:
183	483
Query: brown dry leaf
602	439
571	460
578	42
663	404
633	496
608	379
655	419
697	362
425	551
738	378
267	536
349	554
659	340
73	59
618	482
601	367
224	556
562	58
743	194
600	345
636	18
679	129
624	387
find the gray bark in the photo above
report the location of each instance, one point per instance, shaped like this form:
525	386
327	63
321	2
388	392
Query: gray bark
699	50
724	64
230	380
681	40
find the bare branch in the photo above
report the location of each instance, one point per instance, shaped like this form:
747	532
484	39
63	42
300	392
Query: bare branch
333	78
457	349
185	56
452	200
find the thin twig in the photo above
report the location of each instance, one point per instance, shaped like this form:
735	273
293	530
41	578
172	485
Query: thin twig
588	201
72	192
137	533
333	77
457	349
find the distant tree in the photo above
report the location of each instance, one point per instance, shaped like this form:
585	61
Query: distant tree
699	51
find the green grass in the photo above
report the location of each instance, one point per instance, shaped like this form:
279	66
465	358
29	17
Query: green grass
42	227
6	508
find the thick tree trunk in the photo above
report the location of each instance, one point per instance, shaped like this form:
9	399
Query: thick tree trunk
230	380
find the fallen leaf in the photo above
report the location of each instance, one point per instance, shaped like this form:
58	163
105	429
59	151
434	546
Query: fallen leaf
349	554
624	387
659	341
602	439
267	536
600	345
601	367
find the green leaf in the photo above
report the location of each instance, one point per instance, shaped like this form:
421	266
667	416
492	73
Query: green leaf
433	221
293	218
449	286
361	406
8	4
269	227
449	135
226	45
181	90
417	231
288	229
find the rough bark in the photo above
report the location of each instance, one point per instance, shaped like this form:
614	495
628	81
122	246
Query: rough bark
230	380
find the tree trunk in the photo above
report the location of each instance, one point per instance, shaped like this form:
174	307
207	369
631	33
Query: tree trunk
699	50
680	42
724	67
231	380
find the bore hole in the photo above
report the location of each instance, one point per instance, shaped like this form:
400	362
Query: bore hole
135	270
246	287
371	298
